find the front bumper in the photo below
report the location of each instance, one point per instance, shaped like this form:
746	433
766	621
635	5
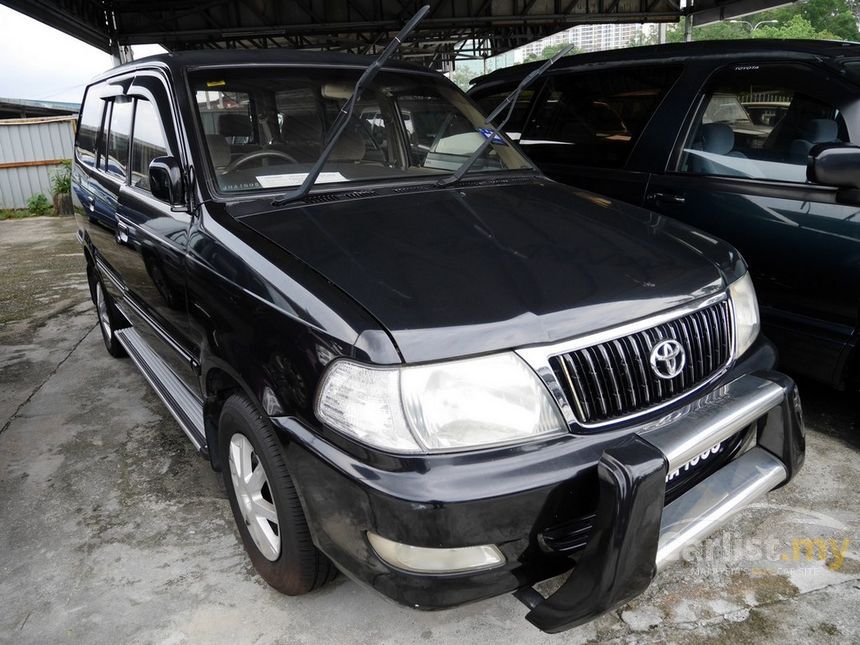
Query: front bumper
634	536
508	497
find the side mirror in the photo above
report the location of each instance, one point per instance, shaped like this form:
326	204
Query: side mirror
837	165
165	180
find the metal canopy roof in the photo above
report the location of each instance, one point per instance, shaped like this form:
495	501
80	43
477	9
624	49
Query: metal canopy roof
453	28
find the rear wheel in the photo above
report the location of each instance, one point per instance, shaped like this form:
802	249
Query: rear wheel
265	503
109	319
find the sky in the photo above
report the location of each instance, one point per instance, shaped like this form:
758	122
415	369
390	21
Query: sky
38	62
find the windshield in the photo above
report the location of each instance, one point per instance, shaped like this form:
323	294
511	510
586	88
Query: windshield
265	127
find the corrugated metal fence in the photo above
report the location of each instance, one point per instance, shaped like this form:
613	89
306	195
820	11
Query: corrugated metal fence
30	152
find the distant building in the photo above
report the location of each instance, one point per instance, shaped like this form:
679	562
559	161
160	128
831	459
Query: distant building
590	38
26	108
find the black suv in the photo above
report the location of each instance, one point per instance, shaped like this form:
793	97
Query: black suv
718	135
446	387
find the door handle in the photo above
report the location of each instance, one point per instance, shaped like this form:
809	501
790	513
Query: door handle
666	198
121	232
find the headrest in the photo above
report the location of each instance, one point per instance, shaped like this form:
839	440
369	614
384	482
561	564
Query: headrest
717	138
820	131
234	125
349	147
219	150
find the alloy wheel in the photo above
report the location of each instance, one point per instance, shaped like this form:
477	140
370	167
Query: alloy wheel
251	487
102	307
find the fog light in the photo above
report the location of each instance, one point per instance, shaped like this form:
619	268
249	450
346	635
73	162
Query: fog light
419	559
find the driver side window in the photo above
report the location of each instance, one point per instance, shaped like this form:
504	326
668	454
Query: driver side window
148	142
760	123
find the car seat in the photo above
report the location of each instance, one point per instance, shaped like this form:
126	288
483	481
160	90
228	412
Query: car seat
812	132
219	151
717	139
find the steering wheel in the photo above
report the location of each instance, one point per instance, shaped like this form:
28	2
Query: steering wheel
258	154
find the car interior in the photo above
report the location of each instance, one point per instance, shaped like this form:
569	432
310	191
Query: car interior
269	131
728	142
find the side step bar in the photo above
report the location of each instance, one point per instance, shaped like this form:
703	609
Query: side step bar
706	507
186	407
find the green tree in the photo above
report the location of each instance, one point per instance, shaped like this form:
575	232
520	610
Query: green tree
796	27
835	17
815	19
549	51
462	78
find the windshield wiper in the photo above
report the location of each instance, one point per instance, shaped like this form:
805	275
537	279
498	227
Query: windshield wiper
345	113
509	102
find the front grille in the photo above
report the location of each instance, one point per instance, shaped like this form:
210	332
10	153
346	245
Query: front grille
614	379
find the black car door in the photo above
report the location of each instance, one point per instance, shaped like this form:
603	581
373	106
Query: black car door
151	236
745	181
586	125
101	196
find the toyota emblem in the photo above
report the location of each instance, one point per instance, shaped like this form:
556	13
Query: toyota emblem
667	358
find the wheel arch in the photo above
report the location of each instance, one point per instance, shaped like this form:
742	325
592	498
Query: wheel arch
219	381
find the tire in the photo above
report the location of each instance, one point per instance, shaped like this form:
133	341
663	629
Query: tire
109	319
284	555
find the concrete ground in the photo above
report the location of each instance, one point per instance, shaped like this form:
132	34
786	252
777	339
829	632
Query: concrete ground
113	530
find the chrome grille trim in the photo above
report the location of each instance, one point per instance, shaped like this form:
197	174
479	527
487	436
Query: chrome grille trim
630	339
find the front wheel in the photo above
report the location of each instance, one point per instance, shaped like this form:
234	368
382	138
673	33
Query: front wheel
108	320
265	503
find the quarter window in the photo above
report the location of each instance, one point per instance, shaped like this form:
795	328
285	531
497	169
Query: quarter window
595	118
118	138
760	123
148	142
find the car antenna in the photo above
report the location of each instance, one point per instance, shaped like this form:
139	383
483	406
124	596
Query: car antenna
509	102
346	111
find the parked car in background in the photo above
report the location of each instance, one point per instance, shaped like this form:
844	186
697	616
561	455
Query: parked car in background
718	135
433	368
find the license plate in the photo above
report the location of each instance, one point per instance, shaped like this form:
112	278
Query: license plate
695	462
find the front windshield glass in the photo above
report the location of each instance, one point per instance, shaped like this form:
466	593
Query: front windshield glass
265	127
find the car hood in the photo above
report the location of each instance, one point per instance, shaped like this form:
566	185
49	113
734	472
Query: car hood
453	272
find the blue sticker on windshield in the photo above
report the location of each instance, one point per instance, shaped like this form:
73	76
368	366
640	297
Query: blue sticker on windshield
496	139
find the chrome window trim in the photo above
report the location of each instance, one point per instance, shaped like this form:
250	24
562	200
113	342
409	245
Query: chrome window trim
538	358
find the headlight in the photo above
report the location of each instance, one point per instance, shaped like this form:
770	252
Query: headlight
746	313
438	407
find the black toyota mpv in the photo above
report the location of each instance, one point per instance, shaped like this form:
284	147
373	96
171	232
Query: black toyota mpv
413	357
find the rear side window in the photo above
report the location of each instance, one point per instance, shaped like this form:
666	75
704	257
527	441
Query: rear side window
118	137
760	122
595	118
88	129
148	142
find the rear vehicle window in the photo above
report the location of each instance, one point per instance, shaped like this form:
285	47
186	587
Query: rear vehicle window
118	137
148	142
595	118
88	129
761	122
228	114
